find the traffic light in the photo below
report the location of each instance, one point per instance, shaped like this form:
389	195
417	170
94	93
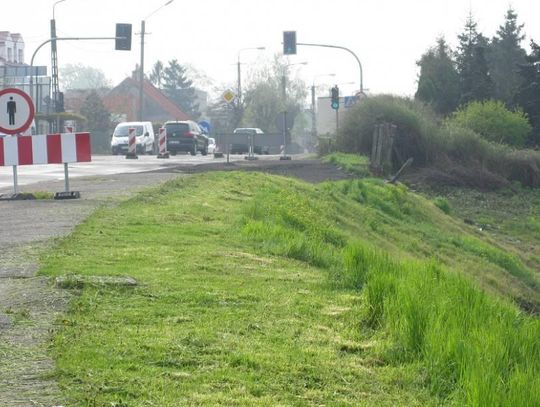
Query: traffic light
335	98
289	42
123	37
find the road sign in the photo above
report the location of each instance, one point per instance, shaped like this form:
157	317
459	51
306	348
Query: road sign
16	111
350	101
228	96
205	126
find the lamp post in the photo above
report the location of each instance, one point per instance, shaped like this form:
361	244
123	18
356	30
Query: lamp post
141	68
239	97
54	64
313	105
284	90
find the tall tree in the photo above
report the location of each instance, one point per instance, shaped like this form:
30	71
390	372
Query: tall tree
78	76
179	88
99	122
505	55
438	82
266	96
528	95
156	75
472	66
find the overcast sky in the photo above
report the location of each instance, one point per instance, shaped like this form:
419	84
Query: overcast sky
388	36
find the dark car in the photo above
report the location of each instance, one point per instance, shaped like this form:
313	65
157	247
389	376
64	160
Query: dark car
185	136
244	148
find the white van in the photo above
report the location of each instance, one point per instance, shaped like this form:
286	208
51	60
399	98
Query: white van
144	133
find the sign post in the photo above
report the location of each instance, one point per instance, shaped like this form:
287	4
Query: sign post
16	116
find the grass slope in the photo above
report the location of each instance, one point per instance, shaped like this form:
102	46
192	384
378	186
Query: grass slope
261	290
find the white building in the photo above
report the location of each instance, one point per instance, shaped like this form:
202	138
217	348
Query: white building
11	49
326	116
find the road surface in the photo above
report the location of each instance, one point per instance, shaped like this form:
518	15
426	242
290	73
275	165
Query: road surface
100	165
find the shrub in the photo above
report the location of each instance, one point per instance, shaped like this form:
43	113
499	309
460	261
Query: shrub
442	204
493	121
415	122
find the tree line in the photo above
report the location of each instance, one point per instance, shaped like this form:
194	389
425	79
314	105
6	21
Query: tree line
482	69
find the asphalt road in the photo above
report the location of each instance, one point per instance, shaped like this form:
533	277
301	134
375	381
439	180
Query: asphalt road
100	165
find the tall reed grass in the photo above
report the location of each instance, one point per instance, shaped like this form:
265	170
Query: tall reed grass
475	348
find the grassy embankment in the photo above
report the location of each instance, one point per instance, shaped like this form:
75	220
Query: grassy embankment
261	290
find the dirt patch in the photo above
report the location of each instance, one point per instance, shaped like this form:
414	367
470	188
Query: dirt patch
455	176
309	170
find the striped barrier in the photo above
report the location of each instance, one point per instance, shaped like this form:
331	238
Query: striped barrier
163	153
132	143
61	148
45	149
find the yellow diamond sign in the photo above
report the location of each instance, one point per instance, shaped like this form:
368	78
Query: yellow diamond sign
228	96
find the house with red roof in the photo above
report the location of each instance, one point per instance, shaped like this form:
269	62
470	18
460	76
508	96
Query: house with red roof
123	101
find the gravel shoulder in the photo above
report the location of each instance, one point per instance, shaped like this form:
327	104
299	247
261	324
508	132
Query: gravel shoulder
30	307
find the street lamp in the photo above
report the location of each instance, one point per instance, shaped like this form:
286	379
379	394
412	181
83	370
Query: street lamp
239	97
313	103
284	90
141	72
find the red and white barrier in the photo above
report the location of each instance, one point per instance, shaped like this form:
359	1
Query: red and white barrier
132	143
162	143
45	149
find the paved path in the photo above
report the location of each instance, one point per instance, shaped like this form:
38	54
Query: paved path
29	305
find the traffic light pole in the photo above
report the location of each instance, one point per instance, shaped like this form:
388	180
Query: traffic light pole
59	39
345	49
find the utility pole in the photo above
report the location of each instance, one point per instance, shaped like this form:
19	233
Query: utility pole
141	73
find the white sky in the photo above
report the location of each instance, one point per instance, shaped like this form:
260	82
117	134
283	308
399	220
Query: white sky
388	36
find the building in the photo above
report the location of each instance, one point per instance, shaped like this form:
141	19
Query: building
123	103
327	120
11	49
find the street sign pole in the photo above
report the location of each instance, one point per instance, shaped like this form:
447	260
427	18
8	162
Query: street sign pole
15	181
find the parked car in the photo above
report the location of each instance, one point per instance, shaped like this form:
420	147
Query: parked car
144	132
185	136
211	145
244	148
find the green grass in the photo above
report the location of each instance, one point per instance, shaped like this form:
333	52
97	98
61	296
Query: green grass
352	163
261	290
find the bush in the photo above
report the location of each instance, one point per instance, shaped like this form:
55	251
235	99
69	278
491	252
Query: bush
442	204
454	147
493	121
415	122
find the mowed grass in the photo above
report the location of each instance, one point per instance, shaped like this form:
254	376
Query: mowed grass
262	290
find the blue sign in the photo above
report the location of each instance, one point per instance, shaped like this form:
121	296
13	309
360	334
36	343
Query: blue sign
205	126
350	101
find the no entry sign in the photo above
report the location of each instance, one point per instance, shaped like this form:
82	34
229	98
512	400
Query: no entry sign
16	111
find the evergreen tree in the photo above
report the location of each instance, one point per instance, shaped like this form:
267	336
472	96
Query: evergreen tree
506	54
473	70
438	83
179	88
528	95
156	76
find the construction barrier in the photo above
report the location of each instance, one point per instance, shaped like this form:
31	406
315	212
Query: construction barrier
45	149
61	148
163	153
132	143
